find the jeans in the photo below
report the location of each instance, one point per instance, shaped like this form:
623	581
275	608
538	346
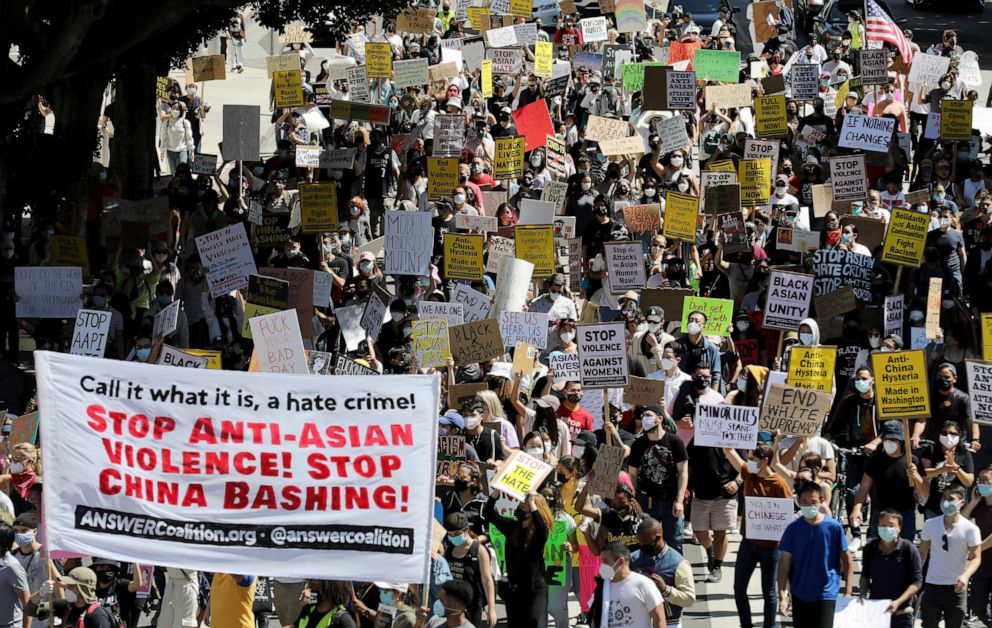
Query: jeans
672	527
855	471
749	556
817	614
175	158
238	48
981	591
904	620
558	601
941	600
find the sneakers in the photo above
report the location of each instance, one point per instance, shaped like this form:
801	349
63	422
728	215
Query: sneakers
715	575
855	544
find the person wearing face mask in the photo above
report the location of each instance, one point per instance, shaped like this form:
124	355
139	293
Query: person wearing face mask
953	544
571	411
946	462
698	350
555	303
179	338
951	252
194	291
891	569
647	344
78	588
760	480
658	465
485	440
781	195
115	592
669	372
28	552
455	597
887	470
176	140
670	572
948	403
979	511
627	594
20	475
813	556
849	241
468	560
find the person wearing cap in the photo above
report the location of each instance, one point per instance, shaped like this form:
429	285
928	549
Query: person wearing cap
658	465
486	442
948	403
647	345
887	471
697	350
14	589
781	195
28	551
78	588
554	302
468	560
946	461
504	124
115	592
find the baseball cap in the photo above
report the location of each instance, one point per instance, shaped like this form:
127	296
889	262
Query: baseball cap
548	401
85	580
456	521
892	430
655	314
452	418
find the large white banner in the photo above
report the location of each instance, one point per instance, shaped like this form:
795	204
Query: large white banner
274	474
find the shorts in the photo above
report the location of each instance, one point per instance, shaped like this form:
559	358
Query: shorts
713	514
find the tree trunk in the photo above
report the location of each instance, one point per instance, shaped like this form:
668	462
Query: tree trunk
135	120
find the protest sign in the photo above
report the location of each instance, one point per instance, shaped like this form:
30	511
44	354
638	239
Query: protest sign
717	65
474	303
47	292
411	73
719	313
323	283
555	149
803	81
203	164
980	390
721	198
893	314
680	216
679	90
787	300
754	176
594	29
610	52
643	391
934	298
276	474
375	313
89	334
554	192
766	518
606	470
265	295
278	343
378	60
870	230
529	327
451	312
241	132
415	20
632	145
861	612
288	89
358	84
602	355
499	248
955	119
536	244
170	356
672	134
642	218
727	96
409	243
874	66
534	123
682	51
812	367
833	269
534	212
350	321
731	225
468	222
794	411
565	366
721	425
320	363
300	293
773	85
459	393
928	69
227	258
152	211
430	342
513	278
442	173
449	134
986	332
574	262
24	429
509	163
870	133
281	63
600	129
630	16
165	321
318	207
763	149
770	119
359	112
625	265
71	251
213	358
906	237
208	68
848	176
520	474
901	384
476	342
463	256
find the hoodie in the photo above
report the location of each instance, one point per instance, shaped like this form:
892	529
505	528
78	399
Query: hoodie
815	329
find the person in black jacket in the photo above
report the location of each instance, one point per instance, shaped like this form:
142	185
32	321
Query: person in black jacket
527	597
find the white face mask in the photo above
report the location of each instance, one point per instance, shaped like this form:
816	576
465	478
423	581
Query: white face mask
16	467
875	341
397	316
578	450
683	187
949	441
676	161
890	446
536	452
694	328
472	422
649	192
567	337
743	325
586	186
649	422
459	199
667	364
607	572
752	467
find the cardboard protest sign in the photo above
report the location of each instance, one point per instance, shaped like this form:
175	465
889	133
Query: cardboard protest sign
525	359
787	300
513	278
565	366
934	298
754	176
509	163
278	343
835	304
24	429
475	304
451	312
265	295
535	244
812	367
415	20
794	411
534	122
476	342
906	237
602	355
955	119
281	63
901	384
834	268
600	129
166	320
625	266
719	313
170	356
632	145
870	230
642	218
606	470
672	134
300	293
409	243
773	85
529	327
520	474
980	390
89	334
47	292
642	391
463	256
766	518
848	176
227	258
203	164
208	68
680	216
71	251
869	133
397	486
721	425
770	118
460	393
727	96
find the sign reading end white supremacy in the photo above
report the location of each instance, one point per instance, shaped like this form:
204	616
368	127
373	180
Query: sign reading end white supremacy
329	478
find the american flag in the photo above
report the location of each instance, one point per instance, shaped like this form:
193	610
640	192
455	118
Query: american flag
880	27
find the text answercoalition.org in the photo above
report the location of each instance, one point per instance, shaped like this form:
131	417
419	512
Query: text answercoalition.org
330	537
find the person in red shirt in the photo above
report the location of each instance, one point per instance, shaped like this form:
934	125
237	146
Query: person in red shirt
574	415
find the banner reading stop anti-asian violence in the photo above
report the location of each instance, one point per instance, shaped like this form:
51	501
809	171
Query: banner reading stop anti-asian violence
284	475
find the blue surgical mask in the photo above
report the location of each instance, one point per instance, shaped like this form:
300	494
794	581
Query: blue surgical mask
806	339
949	506
386	597
809	512
143	354
862	385
23	540
99	301
985	490
888	534
742	384
457	540
752	467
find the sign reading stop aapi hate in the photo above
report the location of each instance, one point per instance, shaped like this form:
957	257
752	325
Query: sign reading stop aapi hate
602	355
89	335
901	385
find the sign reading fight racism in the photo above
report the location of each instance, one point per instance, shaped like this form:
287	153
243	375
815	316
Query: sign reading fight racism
198	469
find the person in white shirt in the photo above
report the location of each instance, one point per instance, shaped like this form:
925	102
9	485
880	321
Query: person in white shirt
953	543
630	600
671	374
175	137
781	195
554	303
849	240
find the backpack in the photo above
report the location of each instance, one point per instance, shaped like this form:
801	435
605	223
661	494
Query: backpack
115	620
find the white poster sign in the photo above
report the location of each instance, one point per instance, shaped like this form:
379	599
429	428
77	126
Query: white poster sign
512	283
475	305
894	307
166	320
48	291
602	355
766	518
226	256
170	356
409	243
451	312
980	388
564	366
870	133
854	611
725	426
89	335
788	300
278	344
528	327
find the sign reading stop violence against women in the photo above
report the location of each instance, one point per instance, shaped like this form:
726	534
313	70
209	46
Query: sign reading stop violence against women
239	473
848	175
787	300
602	355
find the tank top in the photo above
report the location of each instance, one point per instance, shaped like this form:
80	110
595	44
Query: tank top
467	570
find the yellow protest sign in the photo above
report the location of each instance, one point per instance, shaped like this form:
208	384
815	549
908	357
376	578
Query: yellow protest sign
812	367
987	336
905	238
487	78
754	177
536	244
680	216
479	17
430	342
288	87
442	177
521	474
901	385
769	114
213	357
71	251
509	158
378	60
542	58
521	8
724	165
842	93
955	119
463	256
318	207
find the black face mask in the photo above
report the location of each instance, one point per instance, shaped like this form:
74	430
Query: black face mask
106	577
945	383
461	485
650	550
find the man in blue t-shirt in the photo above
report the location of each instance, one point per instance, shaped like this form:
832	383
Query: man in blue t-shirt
813	552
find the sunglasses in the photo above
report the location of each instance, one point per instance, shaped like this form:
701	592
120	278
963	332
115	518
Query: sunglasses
943	540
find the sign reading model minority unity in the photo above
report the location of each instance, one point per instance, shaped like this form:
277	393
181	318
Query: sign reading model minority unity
239	473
